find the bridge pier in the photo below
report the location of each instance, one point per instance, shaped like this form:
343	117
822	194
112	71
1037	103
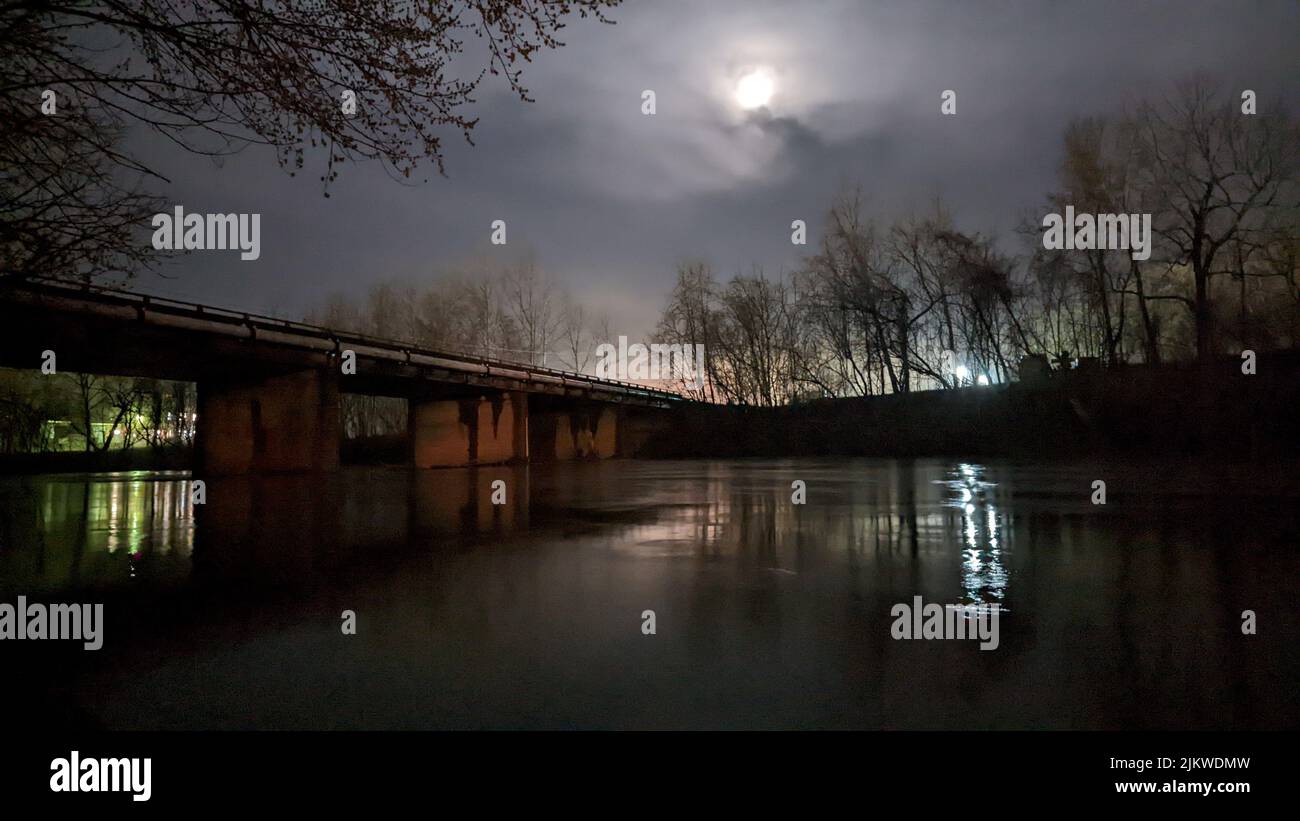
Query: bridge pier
269	389
568	431
268	425
483	430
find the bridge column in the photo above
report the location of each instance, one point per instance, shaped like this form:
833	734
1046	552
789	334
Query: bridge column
478	431
602	421
642	430
519	431
575	431
275	424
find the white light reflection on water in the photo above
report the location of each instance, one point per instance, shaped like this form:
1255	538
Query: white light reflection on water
984	578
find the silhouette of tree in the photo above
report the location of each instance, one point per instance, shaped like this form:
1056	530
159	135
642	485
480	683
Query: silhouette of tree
1216	181
354	79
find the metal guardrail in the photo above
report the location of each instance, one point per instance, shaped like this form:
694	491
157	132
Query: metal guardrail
144	304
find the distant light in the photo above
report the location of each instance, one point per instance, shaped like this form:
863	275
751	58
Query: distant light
960	372
755	89
970	508
983	379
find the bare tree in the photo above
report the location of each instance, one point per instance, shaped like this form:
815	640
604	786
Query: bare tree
372	80
882	306
757	339
95	396
691	317
1213	176
580	333
535	303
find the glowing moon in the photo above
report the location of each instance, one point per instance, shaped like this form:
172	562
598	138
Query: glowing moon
755	90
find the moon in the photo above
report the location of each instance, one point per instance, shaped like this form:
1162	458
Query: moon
755	89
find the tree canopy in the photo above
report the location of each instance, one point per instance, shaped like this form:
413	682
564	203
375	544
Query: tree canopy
214	76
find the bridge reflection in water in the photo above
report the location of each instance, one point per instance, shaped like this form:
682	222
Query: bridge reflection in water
769	614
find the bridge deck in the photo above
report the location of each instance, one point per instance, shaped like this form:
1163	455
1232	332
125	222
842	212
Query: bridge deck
103	330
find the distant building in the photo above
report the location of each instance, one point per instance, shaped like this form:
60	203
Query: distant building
1035	368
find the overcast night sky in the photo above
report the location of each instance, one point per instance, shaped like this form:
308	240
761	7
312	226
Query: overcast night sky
610	200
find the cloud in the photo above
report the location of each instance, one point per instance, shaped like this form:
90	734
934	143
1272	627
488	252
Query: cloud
611	199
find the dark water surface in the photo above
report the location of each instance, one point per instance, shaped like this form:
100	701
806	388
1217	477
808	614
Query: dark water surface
768	614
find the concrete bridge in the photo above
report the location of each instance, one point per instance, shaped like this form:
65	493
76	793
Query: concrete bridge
268	389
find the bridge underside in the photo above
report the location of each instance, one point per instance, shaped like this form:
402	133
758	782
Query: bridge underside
291	422
510	428
278	423
265	405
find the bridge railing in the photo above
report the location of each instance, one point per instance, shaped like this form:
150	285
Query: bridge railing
147	303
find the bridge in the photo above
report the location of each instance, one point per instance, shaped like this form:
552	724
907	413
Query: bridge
269	389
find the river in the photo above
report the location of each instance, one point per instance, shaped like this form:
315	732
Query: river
766	613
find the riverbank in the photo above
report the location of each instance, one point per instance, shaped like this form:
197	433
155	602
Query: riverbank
27	464
1216	413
